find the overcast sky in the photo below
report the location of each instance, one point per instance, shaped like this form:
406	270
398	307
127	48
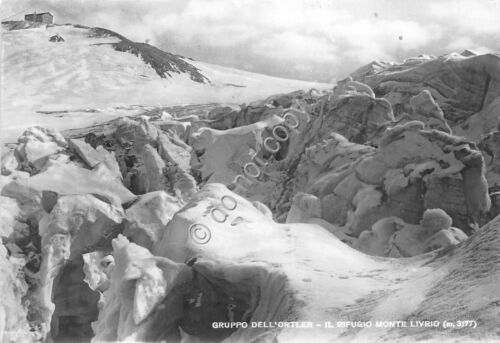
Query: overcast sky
318	40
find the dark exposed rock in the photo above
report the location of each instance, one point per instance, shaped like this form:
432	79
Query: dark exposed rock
164	63
56	38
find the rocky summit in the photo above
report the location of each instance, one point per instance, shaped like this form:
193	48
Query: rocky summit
268	221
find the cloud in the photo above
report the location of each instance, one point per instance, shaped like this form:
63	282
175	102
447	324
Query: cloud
366	40
292	46
470	17
459	44
306	39
463	43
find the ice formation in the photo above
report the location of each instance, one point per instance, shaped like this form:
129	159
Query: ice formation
376	199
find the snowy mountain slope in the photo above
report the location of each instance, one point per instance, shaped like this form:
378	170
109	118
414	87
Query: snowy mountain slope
94	71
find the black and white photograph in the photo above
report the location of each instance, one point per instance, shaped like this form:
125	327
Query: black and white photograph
250	171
